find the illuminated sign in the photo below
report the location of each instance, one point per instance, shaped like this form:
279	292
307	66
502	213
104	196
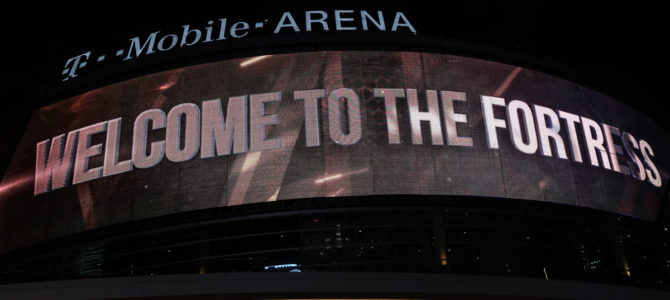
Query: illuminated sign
326	124
207	130
292	267
222	29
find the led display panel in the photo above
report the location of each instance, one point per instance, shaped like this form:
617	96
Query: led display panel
326	124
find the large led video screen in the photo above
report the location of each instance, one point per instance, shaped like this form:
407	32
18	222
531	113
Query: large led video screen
326	124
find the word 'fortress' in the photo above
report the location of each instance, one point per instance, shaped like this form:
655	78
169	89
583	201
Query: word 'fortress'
207	130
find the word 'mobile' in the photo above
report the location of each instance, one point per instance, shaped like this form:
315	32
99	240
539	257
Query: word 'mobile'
222	29
205	129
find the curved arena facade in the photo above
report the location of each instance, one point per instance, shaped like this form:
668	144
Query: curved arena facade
333	153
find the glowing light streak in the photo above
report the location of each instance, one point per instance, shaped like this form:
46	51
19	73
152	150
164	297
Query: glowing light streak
166	86
338	176
253	60
508	81
337	192
322	180
251	161
15	183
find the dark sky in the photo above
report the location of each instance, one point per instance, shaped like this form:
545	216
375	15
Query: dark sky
616	48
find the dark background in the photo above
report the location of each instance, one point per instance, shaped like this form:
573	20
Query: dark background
617	48
614	48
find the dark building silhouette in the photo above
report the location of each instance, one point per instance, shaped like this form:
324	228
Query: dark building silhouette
341	215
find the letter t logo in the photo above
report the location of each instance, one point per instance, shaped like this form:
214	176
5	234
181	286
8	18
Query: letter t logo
73	64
